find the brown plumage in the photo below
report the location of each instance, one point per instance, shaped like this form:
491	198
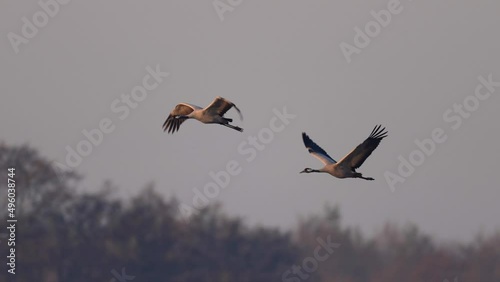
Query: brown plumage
213	113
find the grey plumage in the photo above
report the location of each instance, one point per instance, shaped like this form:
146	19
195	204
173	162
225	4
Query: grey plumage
346	167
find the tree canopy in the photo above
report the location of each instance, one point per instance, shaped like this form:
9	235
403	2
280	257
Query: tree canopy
63	235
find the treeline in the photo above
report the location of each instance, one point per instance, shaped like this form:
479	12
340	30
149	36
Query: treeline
66	236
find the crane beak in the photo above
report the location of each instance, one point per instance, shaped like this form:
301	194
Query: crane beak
303	171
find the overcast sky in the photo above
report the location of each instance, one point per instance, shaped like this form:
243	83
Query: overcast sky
68	74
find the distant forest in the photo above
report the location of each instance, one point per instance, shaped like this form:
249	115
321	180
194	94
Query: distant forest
63	235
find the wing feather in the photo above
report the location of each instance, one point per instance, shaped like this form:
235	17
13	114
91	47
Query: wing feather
359	155
220	106
316	150
172	123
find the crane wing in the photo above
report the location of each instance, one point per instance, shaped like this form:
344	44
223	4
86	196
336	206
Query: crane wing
358	156
220	106
172	123
316	150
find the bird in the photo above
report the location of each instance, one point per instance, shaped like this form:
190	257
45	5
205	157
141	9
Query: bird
213	113
346	167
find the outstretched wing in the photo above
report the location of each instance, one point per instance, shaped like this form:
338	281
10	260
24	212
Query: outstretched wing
316	150
173	123
358	156
220	106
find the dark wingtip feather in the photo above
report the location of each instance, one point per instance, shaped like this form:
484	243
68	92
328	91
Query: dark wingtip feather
171	126
239	112
166	124
375	130
174	126
310	144
378	133
178	125
306	139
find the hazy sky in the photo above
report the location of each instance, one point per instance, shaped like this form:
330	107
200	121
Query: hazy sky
71	73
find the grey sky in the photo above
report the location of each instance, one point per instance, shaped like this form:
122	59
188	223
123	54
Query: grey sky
266	55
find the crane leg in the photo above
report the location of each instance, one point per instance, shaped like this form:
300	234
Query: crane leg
359	175
233	127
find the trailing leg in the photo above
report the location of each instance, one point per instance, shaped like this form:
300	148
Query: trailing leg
359	175
233	127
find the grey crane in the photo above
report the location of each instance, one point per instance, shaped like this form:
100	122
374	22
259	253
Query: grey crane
346	167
